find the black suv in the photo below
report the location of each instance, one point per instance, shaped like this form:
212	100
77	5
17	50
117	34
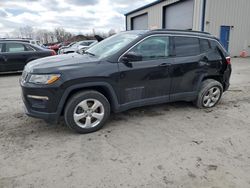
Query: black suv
127	70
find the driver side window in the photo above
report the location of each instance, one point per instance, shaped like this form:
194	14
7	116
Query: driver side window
153	48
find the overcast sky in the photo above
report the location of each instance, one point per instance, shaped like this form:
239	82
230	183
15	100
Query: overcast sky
77	16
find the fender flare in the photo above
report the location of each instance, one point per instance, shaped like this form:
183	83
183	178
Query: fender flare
107	86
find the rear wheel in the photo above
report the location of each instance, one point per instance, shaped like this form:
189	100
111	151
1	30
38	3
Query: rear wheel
87	111
210	94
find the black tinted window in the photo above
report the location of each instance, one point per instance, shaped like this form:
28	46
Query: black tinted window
29	48
186	46
14	47
216	47
1	47
153	48
205	45
214	44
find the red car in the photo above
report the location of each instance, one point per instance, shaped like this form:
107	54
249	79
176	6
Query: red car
55	47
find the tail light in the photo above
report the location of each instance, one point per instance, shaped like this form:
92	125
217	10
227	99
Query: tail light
53	52
228	60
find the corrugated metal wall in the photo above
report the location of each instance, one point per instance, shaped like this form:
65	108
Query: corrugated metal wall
234	13
197	17
154	15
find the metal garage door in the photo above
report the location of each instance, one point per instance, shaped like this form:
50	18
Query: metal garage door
140	22
179	15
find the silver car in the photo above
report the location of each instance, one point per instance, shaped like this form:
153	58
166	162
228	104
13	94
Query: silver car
75	47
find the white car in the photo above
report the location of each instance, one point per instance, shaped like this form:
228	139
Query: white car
76	46
82	49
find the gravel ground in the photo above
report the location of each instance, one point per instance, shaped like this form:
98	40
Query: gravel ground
169	145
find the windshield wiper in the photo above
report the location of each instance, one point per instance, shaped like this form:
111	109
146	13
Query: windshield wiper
89	53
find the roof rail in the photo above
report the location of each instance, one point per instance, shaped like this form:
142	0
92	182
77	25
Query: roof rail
180	30
16	38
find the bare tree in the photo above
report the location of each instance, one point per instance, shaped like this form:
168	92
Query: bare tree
111	32
62	35
26	32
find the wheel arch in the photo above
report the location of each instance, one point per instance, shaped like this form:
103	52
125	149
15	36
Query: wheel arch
104	88
218	78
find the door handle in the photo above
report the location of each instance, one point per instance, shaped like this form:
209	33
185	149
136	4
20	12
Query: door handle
4	58
204	59
164	64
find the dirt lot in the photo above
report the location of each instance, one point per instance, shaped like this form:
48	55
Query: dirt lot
170	145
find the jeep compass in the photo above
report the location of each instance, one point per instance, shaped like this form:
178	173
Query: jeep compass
128	70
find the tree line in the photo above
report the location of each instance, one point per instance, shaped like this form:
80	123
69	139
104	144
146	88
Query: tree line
57	35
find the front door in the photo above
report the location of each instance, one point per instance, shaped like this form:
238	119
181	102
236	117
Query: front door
15	56
1	58
224	36
144	75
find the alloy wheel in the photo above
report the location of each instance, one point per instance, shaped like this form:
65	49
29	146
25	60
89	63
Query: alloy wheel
88	113
211	97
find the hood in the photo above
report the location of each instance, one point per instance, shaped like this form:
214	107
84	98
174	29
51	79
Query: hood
59	62
71	48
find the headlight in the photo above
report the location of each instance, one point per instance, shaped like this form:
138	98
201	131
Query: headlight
43	78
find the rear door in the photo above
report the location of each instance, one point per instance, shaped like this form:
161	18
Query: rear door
147	77
187	67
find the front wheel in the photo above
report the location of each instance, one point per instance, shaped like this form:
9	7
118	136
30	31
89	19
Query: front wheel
210	94
87	111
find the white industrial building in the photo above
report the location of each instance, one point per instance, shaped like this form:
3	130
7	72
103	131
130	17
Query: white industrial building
229	20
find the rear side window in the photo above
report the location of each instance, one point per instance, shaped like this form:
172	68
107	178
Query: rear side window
29	48
215	46
14	47
205	45
1	47
186	46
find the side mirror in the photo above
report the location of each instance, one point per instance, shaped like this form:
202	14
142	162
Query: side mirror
130	57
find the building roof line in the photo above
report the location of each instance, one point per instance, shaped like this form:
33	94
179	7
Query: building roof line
144	7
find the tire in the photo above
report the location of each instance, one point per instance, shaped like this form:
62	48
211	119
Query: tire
210	90
87	111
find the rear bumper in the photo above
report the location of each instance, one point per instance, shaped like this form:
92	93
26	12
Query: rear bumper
226	77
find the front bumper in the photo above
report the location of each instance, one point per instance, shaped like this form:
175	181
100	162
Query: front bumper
49	117
41	102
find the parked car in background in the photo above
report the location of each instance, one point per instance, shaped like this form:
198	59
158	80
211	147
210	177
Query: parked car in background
15	55
28	40
82	49
55	47
67	46
127	70
76	46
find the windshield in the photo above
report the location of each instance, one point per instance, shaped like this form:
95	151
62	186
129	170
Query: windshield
71	44
76	44
112	44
